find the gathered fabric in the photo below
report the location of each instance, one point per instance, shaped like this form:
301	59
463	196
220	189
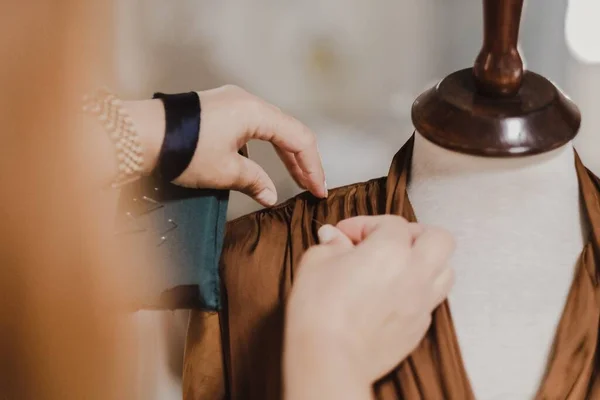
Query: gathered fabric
236	353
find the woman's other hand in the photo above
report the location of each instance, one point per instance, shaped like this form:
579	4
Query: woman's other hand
362	301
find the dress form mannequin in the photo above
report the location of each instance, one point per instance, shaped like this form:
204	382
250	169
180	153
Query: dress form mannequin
523	214
515	218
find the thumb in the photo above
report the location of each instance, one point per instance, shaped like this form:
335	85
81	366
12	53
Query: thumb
333	238
253	181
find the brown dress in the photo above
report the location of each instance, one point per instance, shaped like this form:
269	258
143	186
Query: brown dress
237	354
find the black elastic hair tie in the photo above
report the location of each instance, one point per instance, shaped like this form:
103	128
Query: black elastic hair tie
182	115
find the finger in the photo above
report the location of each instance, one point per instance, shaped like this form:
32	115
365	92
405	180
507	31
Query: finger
358	228
331	236
432	250
289	160
442	285
289	134
386	245
420	328
309	161
332	243
253	181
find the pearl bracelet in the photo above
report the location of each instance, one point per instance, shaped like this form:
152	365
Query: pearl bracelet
119	126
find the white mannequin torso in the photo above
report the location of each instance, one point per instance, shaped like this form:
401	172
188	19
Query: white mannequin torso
517	224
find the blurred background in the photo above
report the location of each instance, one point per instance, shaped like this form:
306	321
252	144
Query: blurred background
349	69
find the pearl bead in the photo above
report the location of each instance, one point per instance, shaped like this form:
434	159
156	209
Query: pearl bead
109	110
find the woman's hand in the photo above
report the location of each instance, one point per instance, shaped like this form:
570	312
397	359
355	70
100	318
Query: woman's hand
361	303
230	118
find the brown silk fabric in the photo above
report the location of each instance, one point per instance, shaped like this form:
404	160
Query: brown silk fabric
237	354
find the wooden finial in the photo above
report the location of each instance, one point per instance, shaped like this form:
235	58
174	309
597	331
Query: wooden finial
498	68
495	109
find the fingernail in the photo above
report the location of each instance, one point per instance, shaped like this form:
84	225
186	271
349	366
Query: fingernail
326	234
326	190
267	196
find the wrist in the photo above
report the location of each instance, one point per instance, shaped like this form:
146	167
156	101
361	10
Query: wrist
316	365
149	119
